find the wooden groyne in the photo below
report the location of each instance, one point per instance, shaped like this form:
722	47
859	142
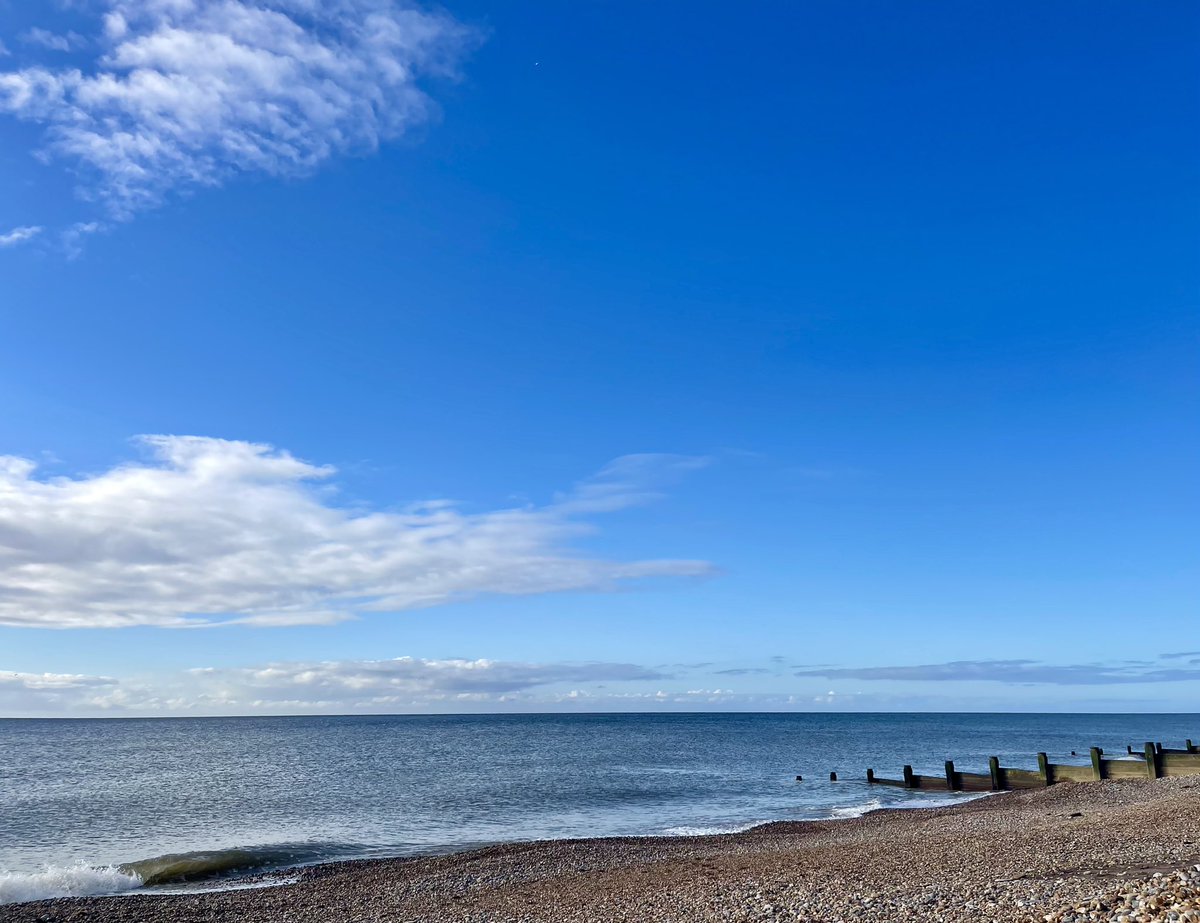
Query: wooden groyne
1153	761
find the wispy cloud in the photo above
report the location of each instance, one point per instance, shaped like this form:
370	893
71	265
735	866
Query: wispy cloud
188	93
210	531
1018	672
19	236
53	41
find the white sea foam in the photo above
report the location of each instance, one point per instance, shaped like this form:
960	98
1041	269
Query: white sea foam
874	804
64	881
709	831
856	810
235	886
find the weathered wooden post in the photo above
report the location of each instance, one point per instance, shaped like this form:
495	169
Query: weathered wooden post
994	769
870	775
1153	770
951	785
1044	768
833	777
1097	764
1158	747
909	781
1188	746
1129	749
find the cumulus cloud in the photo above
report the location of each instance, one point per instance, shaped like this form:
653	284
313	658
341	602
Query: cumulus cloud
187	93
19	236
210	531
1021	672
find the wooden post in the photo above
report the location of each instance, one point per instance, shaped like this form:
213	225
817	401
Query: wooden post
1152	765
1044	768
1158	747
833	777
1188	745
951	785
1097	764
1129	749
909	781
870	776
994	769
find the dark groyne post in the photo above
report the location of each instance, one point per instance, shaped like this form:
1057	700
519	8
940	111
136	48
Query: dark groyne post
909	781
950	784
1153	767
1044	768
870	775
994	770
1097	763
833	777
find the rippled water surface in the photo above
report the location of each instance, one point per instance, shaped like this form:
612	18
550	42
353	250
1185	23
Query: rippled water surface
81	794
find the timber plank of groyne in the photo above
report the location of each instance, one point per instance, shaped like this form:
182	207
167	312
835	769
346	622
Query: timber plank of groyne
1125	769
1064	772
1024	778
1175	764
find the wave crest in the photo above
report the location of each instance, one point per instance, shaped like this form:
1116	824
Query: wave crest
65	881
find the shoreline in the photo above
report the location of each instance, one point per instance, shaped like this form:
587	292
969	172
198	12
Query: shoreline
1011	856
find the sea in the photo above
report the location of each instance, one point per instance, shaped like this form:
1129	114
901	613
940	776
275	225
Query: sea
113	805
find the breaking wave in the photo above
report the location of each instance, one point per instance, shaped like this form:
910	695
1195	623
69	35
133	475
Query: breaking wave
64	881
218	867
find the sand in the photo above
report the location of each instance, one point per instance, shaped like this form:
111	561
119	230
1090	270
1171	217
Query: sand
1072	852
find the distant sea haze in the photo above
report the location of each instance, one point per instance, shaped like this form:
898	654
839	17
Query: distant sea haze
94	806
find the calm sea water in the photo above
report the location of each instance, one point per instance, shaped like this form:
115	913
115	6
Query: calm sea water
81	797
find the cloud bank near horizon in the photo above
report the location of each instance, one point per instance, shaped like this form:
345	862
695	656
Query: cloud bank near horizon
185	94
211	532
399	685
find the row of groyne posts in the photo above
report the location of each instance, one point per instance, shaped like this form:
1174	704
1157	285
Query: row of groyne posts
1154	761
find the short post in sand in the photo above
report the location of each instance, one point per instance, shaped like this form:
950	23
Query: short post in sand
1044	768
1097	763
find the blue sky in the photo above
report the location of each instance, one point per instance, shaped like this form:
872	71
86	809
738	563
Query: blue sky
547	356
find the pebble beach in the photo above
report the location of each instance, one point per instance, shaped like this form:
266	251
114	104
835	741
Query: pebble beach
1122	851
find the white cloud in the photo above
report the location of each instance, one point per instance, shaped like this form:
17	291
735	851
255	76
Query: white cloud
186	93
364	682
53	41
402	684
53	693
72	237
209	531
19	236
